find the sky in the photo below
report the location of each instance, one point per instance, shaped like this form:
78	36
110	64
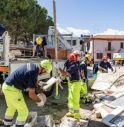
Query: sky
88	16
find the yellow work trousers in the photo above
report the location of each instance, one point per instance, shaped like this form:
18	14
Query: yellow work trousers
15	102
74	96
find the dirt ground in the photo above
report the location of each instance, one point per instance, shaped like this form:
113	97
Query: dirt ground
57	108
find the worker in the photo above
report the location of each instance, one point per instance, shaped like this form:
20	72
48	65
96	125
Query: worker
95	70
83	71
22	78
104	65
88	60
85	98
74	86
40	47
77	54
68	62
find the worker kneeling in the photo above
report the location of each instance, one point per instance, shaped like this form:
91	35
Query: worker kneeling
22	78
74	87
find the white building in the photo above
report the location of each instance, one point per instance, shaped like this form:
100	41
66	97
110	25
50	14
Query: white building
67	41
74	42
106	45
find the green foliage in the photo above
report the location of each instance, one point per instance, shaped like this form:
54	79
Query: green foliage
22	18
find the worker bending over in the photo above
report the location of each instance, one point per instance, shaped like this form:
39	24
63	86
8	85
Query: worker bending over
104	65
40	47
22	78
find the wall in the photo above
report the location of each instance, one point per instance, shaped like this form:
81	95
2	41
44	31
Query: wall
77	46
100	46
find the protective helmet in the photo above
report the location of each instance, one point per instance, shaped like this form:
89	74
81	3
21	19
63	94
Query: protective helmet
88	57
105	57
72	57
39	40
47	65
76	52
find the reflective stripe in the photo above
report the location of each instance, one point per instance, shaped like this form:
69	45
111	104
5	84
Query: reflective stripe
20	122
9	117
7	122
28	66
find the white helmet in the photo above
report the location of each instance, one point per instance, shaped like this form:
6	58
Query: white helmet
76	52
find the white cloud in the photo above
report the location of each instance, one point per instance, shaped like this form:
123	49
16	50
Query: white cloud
76	32
110	31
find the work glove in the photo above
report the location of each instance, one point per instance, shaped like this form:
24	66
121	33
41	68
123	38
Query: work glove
105	71
43	100
27	125
41	84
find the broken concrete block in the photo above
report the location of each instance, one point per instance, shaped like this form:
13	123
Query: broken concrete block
71	122
114	119
45	121
83	123
105	81
98	115
32	119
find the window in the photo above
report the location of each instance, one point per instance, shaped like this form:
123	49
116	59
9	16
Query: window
109	46
69	41
109	55
81	42
121	45
74	42
99	55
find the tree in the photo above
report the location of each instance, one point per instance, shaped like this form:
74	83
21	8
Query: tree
22	18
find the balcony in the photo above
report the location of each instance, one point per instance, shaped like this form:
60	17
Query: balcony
110	49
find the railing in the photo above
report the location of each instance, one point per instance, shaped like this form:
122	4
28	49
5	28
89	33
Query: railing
61	41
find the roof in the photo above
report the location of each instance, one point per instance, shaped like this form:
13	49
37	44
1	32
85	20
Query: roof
108	37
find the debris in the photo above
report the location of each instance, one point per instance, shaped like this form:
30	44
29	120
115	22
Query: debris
114	119
98	115
68	122
32	119
45	121
105	81
71	122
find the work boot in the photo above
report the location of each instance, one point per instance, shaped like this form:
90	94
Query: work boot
69	114
77	116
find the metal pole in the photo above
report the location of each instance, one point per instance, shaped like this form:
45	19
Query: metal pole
55	30
56	46
93	46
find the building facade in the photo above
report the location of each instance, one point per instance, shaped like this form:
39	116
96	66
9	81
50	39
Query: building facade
106	45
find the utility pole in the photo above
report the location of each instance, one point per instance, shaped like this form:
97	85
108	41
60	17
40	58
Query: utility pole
56	48
55	30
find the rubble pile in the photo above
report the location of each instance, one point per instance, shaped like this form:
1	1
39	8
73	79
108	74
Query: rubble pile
111	97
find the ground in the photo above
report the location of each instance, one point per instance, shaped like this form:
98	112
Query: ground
57	108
